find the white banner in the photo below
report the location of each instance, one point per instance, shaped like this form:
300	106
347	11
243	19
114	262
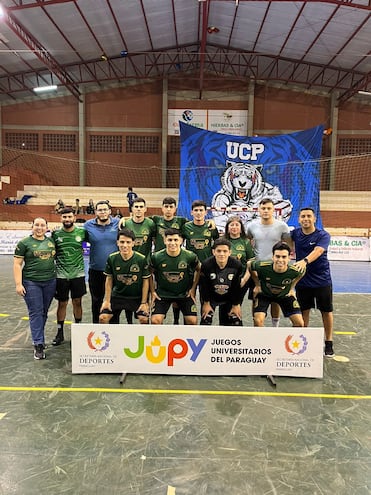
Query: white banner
349	248
228	122
197	350
10	238
197	118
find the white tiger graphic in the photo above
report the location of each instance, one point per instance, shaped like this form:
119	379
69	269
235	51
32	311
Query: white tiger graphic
243	186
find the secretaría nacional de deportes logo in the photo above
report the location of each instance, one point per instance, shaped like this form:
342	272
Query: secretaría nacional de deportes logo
98	341
296	345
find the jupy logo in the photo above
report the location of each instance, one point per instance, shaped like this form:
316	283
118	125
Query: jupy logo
296	345
100	342
175	349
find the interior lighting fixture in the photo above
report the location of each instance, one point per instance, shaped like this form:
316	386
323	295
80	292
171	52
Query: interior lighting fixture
367	93
212	29
45	89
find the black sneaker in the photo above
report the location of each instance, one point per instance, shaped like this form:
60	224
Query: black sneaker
39	353
58	339
329	351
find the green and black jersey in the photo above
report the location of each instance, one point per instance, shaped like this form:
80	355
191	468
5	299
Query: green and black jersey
39	258
162	225
174	274
200	238
127	275
274	284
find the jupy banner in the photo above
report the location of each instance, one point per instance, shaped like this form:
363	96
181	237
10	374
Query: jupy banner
197	350
234	173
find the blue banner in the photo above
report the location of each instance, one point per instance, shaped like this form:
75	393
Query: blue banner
232	174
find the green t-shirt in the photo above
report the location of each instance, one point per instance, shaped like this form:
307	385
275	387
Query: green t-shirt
241	250
199	238
38	257
174	274
162	225
144	233
70	257
127	275
272	283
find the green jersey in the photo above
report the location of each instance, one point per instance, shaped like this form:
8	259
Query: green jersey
241	250
162	225
273	283
144	233
127	275
39	258
70	257
174	274
199	238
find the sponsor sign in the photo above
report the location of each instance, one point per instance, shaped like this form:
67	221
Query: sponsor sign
349	248
197	350
232	122
10	238
196	118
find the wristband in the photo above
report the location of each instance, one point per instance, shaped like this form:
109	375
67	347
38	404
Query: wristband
306	261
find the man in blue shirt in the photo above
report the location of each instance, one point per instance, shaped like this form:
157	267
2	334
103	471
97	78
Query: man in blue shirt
101	234
315	288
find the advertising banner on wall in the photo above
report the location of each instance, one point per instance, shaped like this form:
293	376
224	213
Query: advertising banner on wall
10	238
349	248
195	118
194	350
233	122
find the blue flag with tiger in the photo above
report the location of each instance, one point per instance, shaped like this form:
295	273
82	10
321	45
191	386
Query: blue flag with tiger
232	174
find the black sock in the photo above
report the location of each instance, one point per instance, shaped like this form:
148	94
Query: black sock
60	327
78	320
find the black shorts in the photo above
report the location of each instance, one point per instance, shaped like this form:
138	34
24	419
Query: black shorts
288	304
118	304
77	287
186	306
319	297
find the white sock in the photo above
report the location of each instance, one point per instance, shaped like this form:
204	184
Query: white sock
275	322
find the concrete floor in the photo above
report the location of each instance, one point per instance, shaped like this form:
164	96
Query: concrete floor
179	435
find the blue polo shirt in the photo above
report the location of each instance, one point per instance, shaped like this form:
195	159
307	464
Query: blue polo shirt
318	272
102	239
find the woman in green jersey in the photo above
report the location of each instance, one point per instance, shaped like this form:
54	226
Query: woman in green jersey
35	279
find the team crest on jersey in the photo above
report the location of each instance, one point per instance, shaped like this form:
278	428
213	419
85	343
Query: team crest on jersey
212	276
78	238
174	277
287	281
182	265
127	279
230	276
199	243
134	268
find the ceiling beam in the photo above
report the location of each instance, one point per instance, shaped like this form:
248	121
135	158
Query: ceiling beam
41	53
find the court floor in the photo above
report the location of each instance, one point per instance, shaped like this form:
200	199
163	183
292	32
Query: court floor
179	435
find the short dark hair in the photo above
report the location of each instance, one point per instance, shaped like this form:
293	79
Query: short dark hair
103	202
139	200
222	241
68	209
126	233
281	246
172	231
264	201
308	208
169	200
198	202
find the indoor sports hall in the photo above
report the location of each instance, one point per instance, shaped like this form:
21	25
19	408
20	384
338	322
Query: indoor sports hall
223	101
163	434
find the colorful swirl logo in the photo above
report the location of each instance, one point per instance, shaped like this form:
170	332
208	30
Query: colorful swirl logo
296	345
100	342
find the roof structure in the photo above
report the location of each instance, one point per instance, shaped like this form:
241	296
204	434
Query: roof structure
77	44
